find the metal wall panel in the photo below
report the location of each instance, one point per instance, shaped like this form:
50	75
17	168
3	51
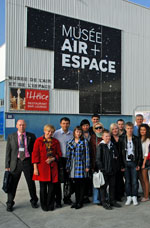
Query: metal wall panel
64	100
132	19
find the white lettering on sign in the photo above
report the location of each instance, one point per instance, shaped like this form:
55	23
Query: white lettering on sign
36	95
83	62
77	54
82	34
82	48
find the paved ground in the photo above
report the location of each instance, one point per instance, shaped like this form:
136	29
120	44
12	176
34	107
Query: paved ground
90	216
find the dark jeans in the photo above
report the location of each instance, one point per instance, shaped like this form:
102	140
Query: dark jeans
46	195
109	181
26	167
131	185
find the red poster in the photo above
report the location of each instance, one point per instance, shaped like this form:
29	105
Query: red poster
36	100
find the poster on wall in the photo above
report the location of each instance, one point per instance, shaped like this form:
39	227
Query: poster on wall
87	58
29	99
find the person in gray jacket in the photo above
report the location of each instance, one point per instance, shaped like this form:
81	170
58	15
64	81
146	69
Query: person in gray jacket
18	160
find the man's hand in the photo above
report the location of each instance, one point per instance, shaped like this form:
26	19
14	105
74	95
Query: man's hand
137	168
123	169
86	170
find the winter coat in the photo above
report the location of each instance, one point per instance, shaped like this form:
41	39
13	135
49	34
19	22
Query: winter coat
106	159
47	172
93	141
79	153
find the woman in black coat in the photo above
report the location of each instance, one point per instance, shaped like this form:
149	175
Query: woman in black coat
119	184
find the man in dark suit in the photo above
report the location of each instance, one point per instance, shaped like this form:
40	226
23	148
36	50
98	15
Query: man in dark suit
18	160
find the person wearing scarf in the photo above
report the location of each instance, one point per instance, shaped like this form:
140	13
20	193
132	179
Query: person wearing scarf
46	153
95	140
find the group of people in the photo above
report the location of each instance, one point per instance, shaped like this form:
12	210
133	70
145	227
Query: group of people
120	153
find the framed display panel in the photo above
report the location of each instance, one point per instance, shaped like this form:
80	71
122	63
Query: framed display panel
87	57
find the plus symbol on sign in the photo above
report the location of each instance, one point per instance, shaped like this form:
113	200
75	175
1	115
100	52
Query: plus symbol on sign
95	50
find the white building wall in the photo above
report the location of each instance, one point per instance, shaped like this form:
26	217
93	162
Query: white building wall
66	101
132	19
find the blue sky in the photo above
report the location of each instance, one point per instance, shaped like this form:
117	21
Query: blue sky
141	2
2	16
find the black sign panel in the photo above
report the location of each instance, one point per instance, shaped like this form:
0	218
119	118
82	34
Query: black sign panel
87	57
40	29
111	81
66	76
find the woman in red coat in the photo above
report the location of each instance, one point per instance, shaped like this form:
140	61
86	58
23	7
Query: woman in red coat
46	153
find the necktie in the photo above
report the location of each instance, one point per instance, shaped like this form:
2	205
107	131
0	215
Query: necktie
22	148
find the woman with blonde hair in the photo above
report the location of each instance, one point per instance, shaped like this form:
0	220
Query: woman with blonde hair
119	183
45	155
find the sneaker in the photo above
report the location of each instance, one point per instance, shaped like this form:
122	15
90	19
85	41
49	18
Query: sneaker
128	202
134	199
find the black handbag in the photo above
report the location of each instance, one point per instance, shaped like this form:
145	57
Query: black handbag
61	172
69	188
7	181
147	163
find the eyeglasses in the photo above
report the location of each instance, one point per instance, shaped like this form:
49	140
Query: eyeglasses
98	128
